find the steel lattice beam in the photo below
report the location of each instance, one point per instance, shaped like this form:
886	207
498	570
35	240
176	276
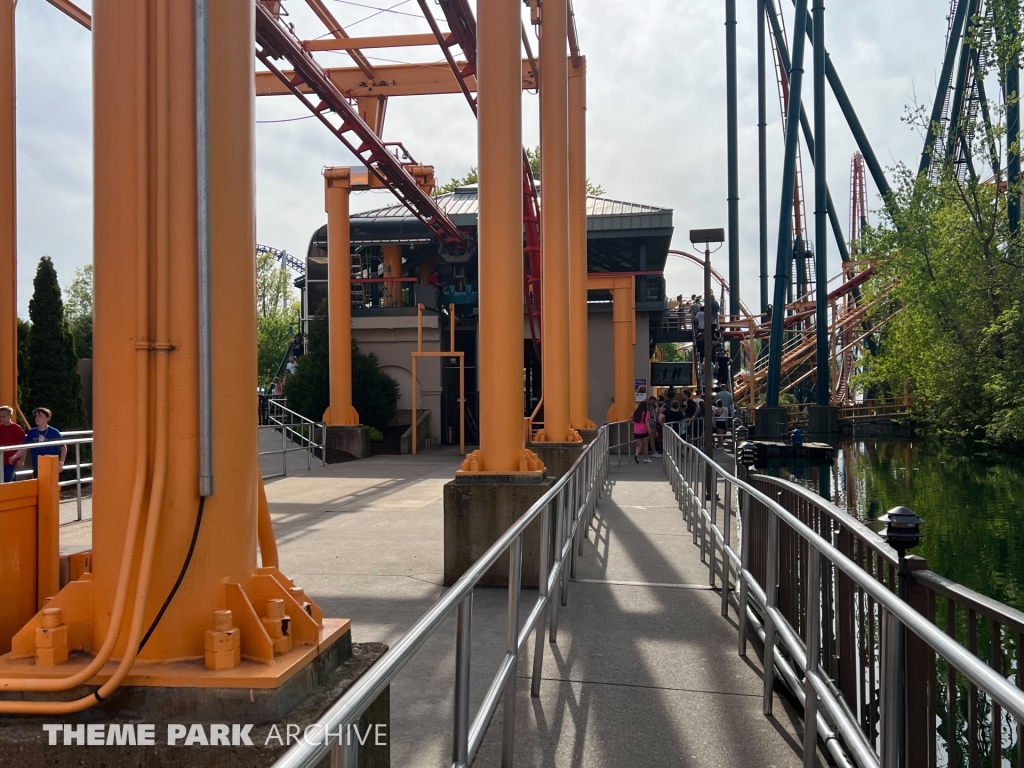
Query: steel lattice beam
276	41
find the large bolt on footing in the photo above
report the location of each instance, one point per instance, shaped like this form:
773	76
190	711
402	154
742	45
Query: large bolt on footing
300	597
51	639
276	624
223	643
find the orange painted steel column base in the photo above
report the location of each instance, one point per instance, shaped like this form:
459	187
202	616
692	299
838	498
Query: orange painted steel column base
146	507
623	340
338	185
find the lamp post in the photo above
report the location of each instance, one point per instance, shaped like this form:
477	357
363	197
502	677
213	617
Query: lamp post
707	238
903	533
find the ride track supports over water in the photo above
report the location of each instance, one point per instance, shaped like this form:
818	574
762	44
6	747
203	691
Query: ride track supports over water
784	255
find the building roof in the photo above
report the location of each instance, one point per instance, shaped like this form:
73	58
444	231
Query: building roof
461	205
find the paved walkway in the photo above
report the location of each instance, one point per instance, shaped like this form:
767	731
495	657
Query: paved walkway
645	672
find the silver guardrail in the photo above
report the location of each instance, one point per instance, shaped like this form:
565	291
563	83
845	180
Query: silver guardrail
74	441
297	434
570	505
702	486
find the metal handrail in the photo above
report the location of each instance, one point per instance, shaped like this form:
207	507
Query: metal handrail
76	439
574	498
296	428
690	469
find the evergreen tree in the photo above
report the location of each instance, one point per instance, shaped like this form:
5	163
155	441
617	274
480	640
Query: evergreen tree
24	340
53	365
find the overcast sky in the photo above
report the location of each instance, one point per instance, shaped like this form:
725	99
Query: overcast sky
656	119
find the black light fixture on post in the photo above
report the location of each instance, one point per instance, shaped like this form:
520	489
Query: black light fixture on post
707	238
903	533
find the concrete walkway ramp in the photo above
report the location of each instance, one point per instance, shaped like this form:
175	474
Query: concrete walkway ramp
646	671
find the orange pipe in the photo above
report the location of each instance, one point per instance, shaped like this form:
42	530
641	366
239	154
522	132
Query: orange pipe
579	371
265	530
499	128
8	215
554	221
339	297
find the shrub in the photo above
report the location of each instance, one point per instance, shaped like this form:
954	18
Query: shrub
374	392
376	436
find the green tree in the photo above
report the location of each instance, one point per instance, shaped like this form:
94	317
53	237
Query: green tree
53	365
671	353
947	265
533	155
78	309
470	178
374	392
277	315
24	352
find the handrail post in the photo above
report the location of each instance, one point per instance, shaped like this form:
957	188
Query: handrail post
284	448
545	561
78	479
553	633
463	644
771	589
743	530
515	569
574	514
345	752
726	540
812	657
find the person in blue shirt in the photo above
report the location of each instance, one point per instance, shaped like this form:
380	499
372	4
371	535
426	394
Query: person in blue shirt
42	432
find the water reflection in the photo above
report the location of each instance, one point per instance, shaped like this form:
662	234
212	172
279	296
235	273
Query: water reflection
973	505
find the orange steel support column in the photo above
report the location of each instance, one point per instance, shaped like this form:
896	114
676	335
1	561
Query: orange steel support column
393	262
579	393
340	412
499	131
8	216
623	340
146	333
554	222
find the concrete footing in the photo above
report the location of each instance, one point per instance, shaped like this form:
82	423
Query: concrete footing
347	443
772	422
588	435
823	420
558	458
477	511
149	713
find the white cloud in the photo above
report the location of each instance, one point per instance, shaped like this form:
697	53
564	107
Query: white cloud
656	120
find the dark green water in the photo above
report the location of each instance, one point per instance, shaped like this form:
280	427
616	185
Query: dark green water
973	505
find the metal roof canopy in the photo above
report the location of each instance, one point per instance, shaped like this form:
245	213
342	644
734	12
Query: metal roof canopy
621	236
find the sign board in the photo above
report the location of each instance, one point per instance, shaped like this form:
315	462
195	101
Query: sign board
672	374
640	390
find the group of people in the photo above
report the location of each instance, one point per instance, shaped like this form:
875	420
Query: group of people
11	433
684	412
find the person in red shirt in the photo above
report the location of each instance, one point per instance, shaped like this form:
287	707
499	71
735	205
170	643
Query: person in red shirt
10	434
